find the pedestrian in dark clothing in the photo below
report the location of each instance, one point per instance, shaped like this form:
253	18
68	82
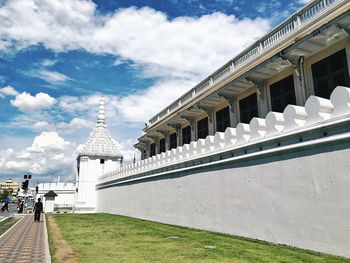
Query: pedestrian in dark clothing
38	208
5	207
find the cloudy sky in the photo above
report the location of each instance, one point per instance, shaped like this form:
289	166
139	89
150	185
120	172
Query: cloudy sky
57	57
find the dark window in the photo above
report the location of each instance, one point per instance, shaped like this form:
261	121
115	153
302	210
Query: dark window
282	93
330	73
153	149
223	119
248	108
102	161
162	145
202	128
173	140
186	135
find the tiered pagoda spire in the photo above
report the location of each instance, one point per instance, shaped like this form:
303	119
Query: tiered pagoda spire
100	142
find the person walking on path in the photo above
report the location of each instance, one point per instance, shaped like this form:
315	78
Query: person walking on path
5	207
38	208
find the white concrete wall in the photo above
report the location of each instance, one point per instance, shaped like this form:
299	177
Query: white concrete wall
49	204
287	181
65	192
90	169
291	199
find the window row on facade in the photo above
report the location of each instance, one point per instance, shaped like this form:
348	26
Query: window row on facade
327	74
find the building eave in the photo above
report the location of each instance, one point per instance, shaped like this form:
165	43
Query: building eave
339	8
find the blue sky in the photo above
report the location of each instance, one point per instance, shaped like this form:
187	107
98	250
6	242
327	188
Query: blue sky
58	56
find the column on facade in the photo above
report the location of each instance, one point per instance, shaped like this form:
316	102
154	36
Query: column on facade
178	135
193	125
157	142
299	82
297	62
263	106
167	140
211	121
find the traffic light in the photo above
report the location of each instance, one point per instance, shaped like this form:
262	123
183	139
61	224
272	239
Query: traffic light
27	176
25	184
37	189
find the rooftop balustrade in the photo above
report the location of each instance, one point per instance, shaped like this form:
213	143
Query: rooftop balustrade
297	22
317	112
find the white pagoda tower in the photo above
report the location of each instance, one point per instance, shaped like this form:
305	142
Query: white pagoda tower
99	155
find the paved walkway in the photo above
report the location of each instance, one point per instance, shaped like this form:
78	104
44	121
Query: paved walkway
26	242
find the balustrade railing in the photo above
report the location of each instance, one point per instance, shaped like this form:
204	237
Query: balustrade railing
202	87
222	74
295	22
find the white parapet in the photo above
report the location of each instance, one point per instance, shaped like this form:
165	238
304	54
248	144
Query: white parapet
209	144
318	109
275	123
201	146
340	98
243	133
258	128
293	119
230	137
219	141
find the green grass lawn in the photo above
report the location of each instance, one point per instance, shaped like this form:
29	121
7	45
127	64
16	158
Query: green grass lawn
6	224
112	238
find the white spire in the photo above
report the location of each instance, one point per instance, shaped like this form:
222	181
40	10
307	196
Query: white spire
100	142
101	119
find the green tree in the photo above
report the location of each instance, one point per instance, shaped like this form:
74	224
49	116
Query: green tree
5	194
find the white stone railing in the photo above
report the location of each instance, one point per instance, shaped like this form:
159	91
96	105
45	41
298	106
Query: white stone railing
294	119
295	23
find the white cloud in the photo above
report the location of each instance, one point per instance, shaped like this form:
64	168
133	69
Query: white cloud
128	151
180	51
47	155
304	2
26	102
145	36
137	107
41	126
141	106
8	91
48	62
73	125
48	142
51	76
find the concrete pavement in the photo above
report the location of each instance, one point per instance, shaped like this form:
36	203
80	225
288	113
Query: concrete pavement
25	242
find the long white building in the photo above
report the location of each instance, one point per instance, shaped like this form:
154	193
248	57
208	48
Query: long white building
65	193
260	148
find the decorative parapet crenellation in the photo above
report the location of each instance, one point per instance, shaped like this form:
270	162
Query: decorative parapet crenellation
317	113
294	24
